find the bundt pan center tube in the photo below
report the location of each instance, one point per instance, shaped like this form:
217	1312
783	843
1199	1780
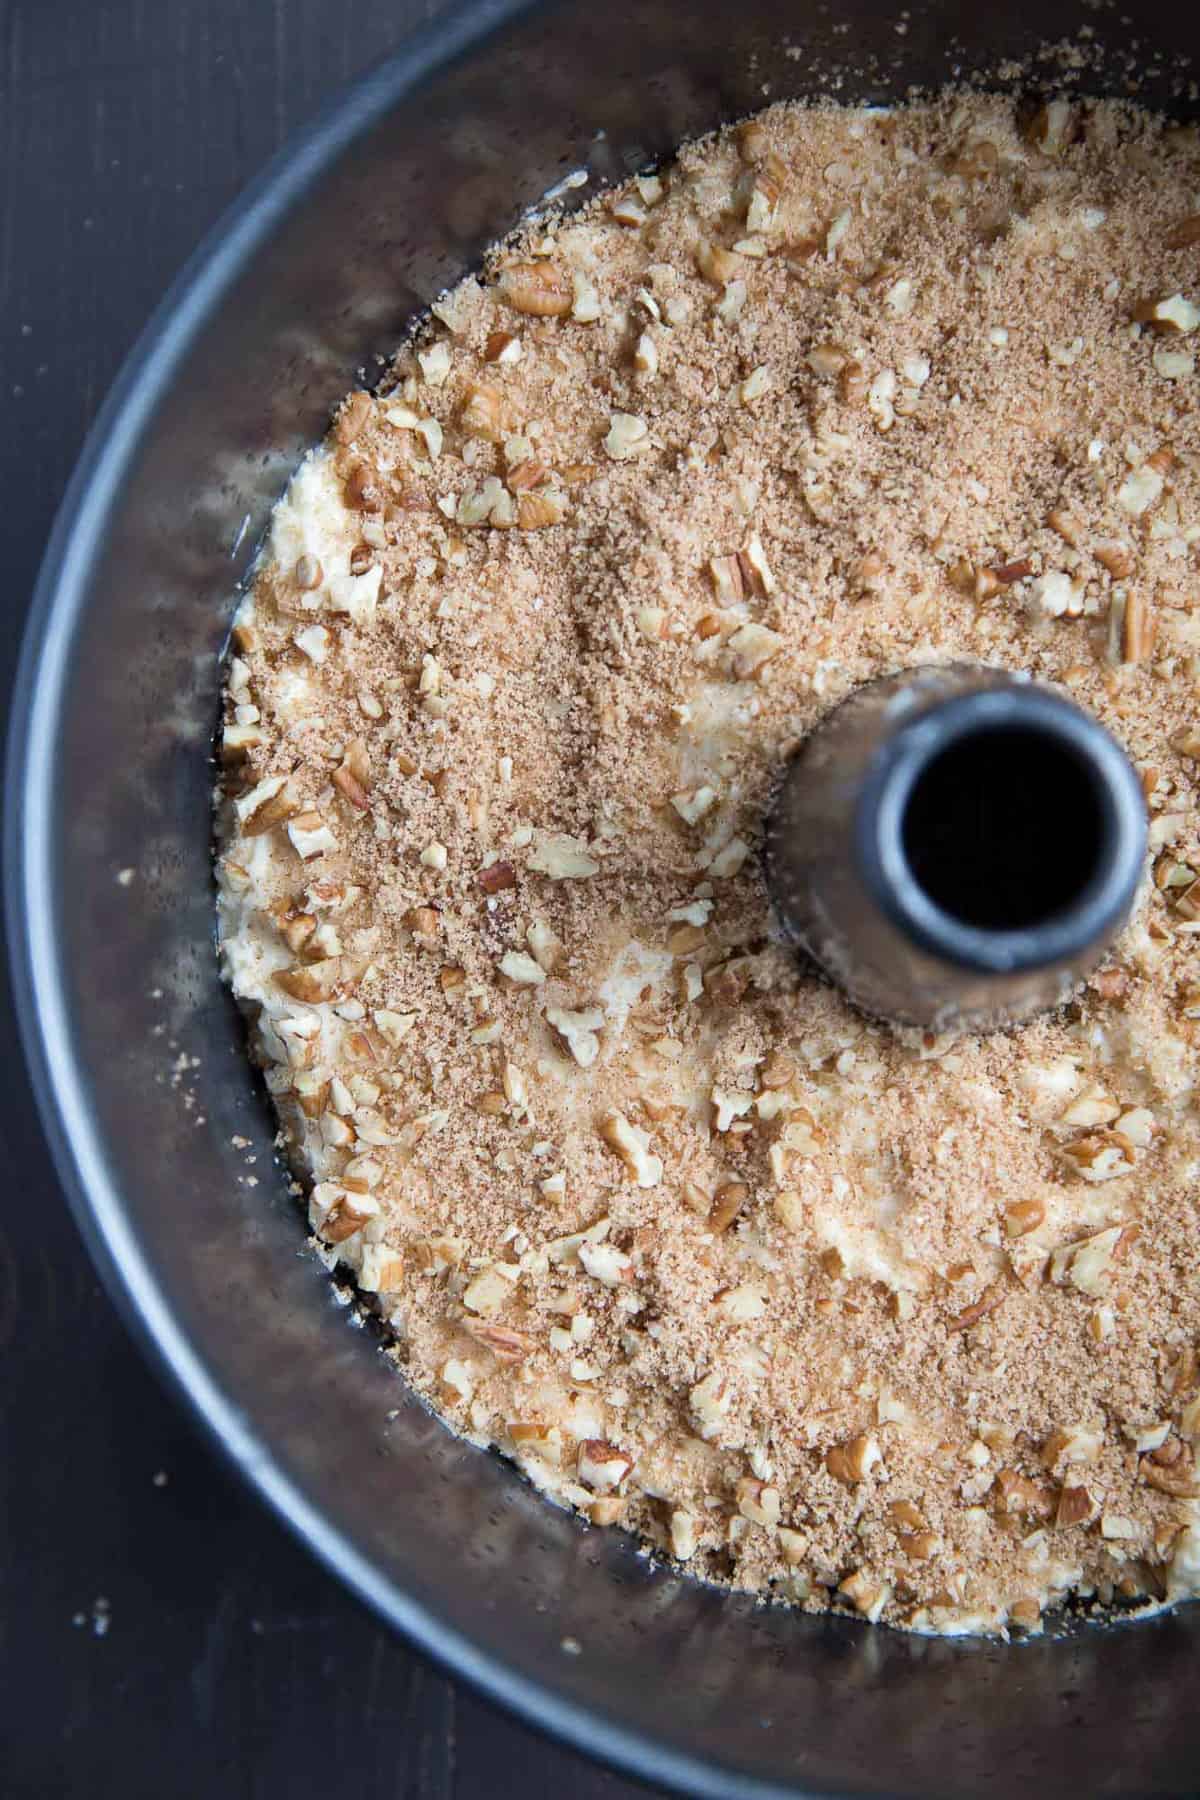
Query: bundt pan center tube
362	222
956	847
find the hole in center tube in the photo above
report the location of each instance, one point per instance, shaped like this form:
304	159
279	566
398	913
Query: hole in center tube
1004	828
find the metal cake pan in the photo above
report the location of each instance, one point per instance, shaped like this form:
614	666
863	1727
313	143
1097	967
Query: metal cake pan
137	1052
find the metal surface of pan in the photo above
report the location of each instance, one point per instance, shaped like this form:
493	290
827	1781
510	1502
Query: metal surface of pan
365	218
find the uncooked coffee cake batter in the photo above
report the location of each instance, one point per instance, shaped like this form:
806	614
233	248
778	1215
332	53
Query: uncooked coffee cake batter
907	1325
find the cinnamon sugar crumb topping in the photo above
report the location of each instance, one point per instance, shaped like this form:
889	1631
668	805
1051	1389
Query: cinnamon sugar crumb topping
906	1325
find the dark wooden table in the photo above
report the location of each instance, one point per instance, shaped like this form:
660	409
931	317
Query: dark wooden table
160	1635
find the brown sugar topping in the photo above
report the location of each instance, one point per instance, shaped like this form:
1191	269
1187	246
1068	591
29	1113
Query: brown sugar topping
903	1324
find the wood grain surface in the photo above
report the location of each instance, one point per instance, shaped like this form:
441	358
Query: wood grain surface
160	1635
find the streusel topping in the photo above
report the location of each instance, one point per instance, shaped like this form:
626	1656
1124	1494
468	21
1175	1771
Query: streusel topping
908	1325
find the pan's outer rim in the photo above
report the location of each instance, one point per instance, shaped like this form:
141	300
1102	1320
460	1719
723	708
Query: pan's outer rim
59	1080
